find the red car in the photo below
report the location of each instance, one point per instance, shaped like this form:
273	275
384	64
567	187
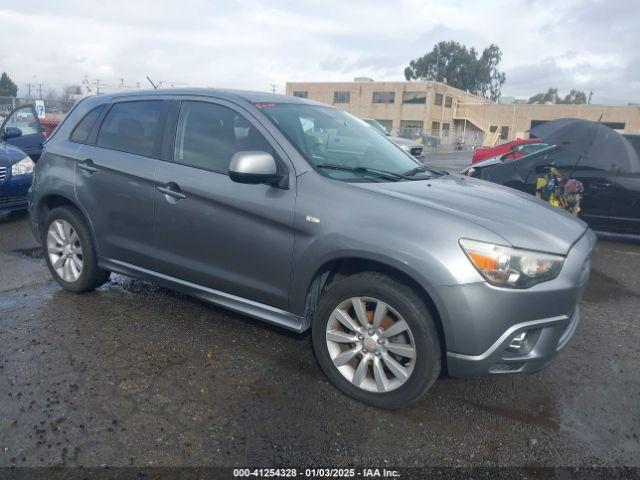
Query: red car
49	126
510	150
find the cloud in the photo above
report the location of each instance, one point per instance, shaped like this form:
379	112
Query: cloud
590	44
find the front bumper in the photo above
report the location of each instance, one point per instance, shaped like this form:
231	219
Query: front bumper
484	324
13	191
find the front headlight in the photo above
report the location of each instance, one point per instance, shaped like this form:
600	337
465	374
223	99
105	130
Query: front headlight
23	167
511	267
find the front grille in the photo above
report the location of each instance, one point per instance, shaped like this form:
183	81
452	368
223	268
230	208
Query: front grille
13	199
416	151
3	174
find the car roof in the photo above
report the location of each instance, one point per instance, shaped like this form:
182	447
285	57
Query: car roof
246	95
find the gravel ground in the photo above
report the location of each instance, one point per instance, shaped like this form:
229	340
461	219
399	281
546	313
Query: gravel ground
134	374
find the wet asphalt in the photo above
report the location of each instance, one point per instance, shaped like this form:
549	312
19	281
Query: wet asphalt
135	374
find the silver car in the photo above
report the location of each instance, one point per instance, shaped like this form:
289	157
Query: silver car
301	215
414	148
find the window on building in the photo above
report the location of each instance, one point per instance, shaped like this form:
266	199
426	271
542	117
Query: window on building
209	135
445	129
414	97
131	127
413	124
301	94
383	97
435	128
341	97
83	128
448	102
504	133
438	99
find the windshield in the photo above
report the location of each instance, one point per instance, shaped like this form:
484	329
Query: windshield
377	125
342	146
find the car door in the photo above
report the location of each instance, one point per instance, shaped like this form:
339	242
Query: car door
625	204
115	179
31	134
231	237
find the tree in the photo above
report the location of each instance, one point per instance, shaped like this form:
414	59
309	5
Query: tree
552	96
461	67
7	87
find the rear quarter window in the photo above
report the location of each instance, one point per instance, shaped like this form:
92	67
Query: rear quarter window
82	130
131	127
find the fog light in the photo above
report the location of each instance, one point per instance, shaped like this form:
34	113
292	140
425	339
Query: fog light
517	342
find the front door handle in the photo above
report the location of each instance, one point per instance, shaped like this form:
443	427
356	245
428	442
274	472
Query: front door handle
172	190
87	166
600	185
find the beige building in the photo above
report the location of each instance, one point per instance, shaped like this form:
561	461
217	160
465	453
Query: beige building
438	110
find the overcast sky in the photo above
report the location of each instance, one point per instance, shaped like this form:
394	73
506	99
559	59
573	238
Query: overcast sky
584	44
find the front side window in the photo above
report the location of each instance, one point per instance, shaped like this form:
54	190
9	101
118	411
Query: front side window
208	135
383	97
341	97
131	127
338	144
25	119
83	128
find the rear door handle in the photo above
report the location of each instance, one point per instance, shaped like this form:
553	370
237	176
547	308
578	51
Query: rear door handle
172	190
87	166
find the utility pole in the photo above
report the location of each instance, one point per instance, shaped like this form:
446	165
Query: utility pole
590	95
274	87
40	89
29	90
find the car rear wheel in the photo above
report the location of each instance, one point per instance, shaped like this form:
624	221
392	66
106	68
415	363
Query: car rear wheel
376	341
69	251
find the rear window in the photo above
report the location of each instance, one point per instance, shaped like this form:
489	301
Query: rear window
84	126
131	127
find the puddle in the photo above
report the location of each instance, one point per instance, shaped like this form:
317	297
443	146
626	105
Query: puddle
602	288
541	419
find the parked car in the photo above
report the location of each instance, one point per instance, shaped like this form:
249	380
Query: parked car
510	150
21	141
611	198
414	148
398	270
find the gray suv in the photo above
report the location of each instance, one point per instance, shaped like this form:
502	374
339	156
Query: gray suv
301	215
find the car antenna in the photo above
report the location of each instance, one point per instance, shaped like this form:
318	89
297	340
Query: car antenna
155	87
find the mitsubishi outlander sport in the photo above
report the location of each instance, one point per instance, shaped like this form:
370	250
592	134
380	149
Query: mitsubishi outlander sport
304	216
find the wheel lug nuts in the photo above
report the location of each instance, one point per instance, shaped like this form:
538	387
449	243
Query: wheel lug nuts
360	337
380	341
364	350
371	331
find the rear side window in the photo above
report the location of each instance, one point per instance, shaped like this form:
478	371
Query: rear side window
131	127
84	126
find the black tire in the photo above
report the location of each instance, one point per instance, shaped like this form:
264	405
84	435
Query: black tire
91	276
411	307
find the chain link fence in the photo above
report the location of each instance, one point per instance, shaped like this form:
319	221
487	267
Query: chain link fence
55	109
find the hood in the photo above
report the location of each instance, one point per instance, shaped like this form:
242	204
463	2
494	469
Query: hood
521	219
10	154
404	141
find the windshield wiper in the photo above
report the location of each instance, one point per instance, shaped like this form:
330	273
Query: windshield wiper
423	168
367	170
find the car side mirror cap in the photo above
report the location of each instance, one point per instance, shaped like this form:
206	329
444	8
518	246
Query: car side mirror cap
12	132
255	167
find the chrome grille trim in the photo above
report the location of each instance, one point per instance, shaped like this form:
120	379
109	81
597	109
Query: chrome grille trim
3	174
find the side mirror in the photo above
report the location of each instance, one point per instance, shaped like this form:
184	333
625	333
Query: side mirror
12	132
255	167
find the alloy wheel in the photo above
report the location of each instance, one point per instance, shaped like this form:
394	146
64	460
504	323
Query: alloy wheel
370	344
65	250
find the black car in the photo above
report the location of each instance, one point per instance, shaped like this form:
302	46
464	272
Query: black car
611	198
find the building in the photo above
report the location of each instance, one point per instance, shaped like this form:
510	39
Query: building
433	109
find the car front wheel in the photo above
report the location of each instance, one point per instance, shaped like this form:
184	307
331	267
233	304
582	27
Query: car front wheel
376	341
